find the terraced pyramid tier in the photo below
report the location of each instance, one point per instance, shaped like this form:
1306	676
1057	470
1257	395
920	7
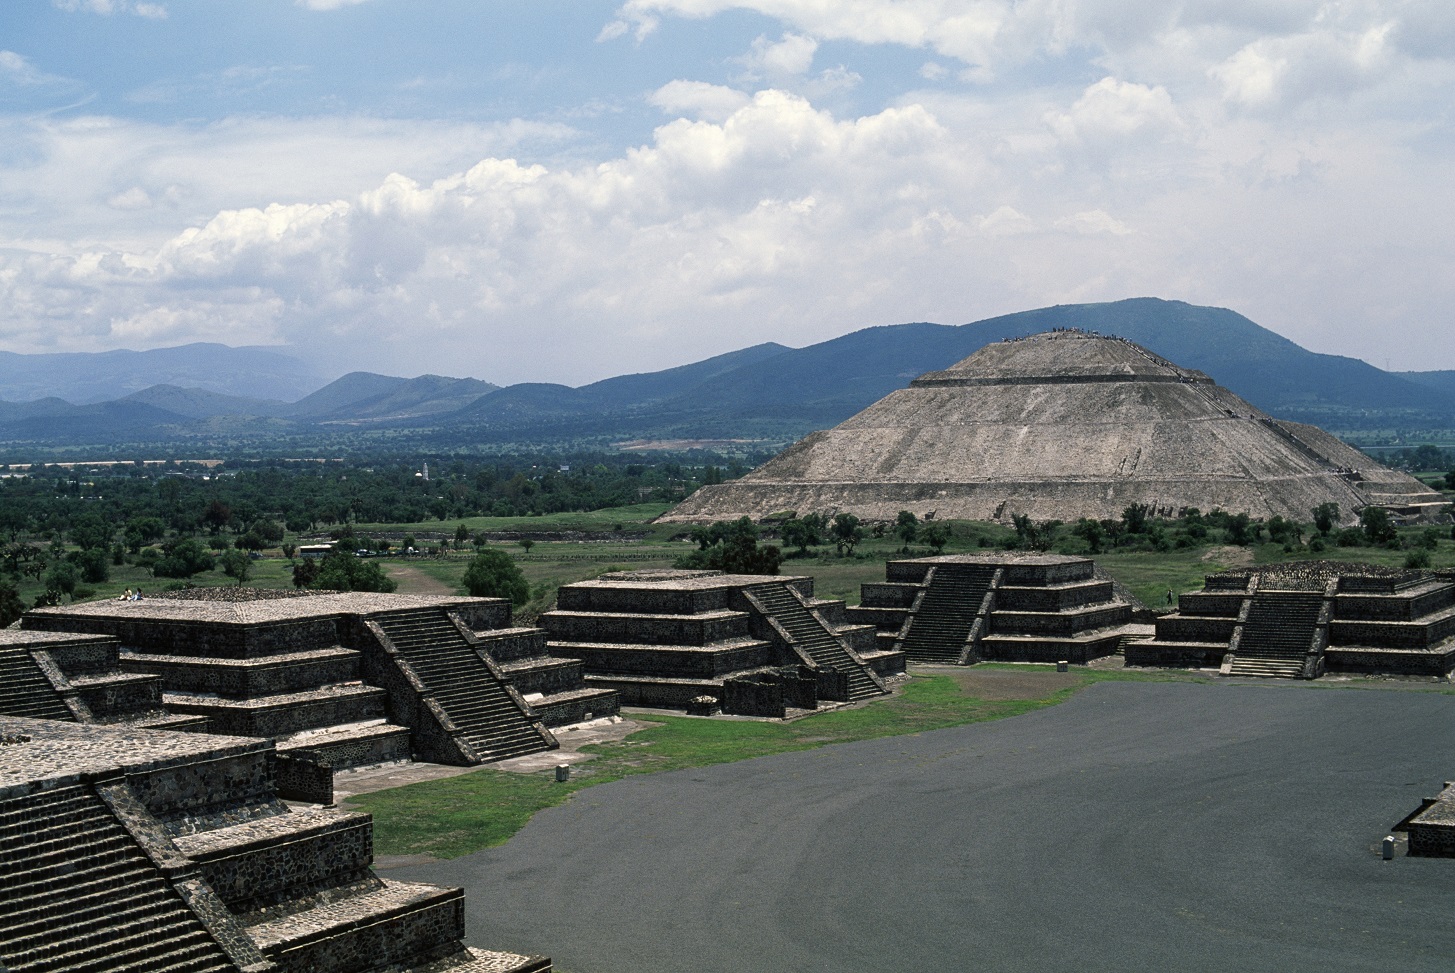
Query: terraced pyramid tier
1061	425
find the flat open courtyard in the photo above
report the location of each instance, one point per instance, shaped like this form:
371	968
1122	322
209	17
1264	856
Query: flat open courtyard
1139	826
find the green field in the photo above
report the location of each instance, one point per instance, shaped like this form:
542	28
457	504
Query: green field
624	538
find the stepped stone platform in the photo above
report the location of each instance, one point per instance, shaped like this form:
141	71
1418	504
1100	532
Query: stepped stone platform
959	609
1431	829
754	645
139	851
1303	619
78	678
335	680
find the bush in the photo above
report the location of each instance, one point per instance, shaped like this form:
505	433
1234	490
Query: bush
733	547
341	571
493	574
11	607
1417	559
183	559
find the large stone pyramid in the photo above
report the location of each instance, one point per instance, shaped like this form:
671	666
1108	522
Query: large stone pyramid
1062	425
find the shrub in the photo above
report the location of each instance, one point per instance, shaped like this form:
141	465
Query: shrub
494	574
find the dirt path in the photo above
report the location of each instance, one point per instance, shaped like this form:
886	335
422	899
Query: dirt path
413	581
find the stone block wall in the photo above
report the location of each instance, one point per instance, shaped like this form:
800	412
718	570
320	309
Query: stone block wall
1033	574
687	663
304	851
645	599
1403	607
1184	628
648	630
1052	599
887	595
83	658
279	716
1211	603
757	695
213	791
1060	623
248	679
1394	635
512	644
136	695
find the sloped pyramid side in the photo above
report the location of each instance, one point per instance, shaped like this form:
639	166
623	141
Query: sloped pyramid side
1061	425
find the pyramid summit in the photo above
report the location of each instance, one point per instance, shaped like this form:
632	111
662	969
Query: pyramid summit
1062	425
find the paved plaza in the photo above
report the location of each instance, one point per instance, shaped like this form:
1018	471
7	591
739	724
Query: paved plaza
1139	826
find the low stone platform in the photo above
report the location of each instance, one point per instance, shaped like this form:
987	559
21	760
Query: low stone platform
703	640
336	680
1431	829
1304	619
137	851
960	609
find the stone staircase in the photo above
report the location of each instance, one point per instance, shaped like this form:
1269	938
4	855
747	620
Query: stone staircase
24	688
81	896
810	635
488	717
940	625
1278	634
554	687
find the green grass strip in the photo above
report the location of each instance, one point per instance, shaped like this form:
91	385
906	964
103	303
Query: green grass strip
459	815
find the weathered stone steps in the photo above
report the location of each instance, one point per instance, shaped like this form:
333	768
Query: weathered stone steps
940	626
814	638
81	896
25	690
485	714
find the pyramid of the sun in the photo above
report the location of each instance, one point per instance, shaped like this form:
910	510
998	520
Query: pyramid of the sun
1062	425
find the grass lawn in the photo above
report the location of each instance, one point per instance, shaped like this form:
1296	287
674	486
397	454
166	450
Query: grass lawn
460	815
635	518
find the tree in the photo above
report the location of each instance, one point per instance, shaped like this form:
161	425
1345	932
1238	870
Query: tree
526	544
1375	523
182	559
1240	530
735	550
494	574
305	572
342	571
936	535
1090	531
803	532
237	564
906	525
62	579
11	607
846	533
94	564
1326	517
1135	518
90	531
462	535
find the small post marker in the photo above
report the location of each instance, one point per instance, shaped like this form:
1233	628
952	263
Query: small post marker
1062	666
1388	847
563	773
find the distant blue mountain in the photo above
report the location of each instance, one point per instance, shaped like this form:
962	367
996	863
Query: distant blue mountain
766	392
85	377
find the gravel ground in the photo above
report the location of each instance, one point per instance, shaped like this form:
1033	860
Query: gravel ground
1137	827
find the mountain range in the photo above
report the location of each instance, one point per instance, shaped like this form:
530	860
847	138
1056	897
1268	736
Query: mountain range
768	392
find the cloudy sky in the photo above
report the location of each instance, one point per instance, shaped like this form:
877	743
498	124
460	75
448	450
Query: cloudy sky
564	190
